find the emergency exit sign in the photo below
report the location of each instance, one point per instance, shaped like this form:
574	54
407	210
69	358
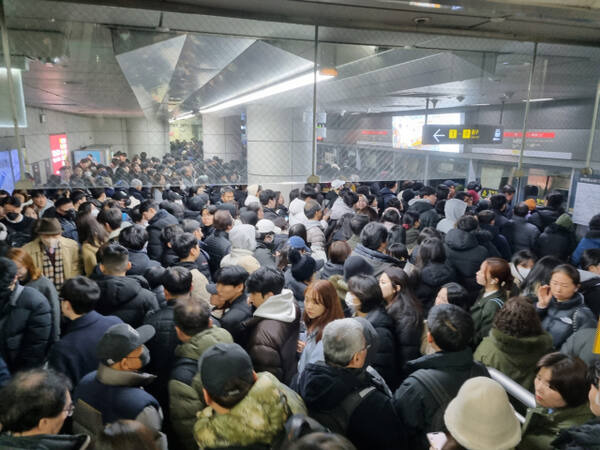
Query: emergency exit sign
462	134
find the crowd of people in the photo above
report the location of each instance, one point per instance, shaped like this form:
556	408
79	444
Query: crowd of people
347	316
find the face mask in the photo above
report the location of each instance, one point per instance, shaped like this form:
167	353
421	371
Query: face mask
523	271
145	356
50	243
349	302
12	216
70	214
87	173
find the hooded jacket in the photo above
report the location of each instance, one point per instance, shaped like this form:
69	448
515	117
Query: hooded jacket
339	209
272	333
373	424
544	216
556	241
46	442
296	212
562	319
542	425
379	261
428	217
125	297
257	419
591	240
582	437
25	328
513	356
465	254
330	269
155	226
454	209
184	400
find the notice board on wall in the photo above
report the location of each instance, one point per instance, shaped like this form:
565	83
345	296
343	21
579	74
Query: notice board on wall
587	200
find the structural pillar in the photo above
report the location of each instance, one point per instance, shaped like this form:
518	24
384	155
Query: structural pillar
150	136
222	137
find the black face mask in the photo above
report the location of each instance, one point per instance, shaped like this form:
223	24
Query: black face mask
12	216
70	215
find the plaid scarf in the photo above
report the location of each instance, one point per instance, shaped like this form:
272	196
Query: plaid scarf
54	272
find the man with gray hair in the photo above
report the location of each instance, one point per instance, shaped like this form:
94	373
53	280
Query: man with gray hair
344	397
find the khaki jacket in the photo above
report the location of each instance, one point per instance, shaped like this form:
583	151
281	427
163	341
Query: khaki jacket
70	256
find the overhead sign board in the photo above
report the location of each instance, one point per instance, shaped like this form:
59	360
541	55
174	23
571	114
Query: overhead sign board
462	134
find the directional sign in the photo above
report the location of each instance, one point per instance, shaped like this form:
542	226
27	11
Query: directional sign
462	134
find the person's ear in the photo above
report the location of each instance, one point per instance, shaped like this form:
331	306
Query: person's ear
207	400
180	334
254	376
429	338
102	268
128	266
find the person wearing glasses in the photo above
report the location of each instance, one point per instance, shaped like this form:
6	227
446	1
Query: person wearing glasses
33	408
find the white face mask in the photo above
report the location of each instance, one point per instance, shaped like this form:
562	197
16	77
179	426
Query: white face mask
350	302
524	271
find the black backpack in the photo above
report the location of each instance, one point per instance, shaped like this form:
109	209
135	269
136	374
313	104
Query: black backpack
432	381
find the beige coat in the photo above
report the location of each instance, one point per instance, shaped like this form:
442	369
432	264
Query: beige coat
88	254
70	256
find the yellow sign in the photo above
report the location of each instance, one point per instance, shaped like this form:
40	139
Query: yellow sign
597	341
452	134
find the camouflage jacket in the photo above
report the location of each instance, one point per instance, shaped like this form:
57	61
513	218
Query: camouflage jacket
257	419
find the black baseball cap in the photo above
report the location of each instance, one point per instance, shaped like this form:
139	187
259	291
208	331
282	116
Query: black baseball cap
221	364
120	340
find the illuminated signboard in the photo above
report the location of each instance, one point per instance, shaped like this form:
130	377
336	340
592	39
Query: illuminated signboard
462	134
58	152
408	131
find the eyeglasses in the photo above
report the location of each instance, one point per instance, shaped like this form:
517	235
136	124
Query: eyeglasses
69	409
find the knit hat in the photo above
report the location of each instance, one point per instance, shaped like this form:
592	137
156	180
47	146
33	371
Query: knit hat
303	266
50	226
565	221
355	265
480	417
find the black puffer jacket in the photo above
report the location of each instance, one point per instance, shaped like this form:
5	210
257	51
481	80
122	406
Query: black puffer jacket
125	297
562	319
217	246
428	217
237	312
140	262
544	216
155	226
556	241
408	328
432	277
465	254
521	234
385	361
25	328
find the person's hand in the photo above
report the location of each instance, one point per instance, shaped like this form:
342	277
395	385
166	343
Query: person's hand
301	345
544	295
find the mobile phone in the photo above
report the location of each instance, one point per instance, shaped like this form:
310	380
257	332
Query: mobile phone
437	440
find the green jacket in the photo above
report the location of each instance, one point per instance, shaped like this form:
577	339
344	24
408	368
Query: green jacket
185	387
483	312
257	419
513	356
541	427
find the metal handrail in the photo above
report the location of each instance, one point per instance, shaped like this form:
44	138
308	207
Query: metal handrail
514	389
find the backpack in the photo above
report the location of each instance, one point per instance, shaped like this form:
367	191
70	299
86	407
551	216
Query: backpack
430	378
338	418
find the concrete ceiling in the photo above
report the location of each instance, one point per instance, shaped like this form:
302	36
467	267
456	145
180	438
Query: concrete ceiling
126	61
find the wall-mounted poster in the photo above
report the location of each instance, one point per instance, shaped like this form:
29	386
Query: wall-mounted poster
59	153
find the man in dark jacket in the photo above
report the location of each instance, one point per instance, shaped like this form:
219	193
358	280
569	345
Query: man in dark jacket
558	239
115	391
343	396
194	329
230	304
73	354
521	234
134	239
126	297
416	400
424	207
157	220
268	200
387	193
64	211
177	283
217	244
25	321
487	222
201	262
373	242
33	409
272	331
499	204
544	216
19	227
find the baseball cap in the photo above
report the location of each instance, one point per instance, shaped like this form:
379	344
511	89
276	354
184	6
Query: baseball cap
221	364
336	184
120	340
298	243
267	226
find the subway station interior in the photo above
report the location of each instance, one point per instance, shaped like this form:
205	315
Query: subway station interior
289	89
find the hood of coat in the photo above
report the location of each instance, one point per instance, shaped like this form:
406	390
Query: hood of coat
243	236
435	274
323	387
454	209
200	342
419	205
160	215
443	361
278	307
512	345
259	417
339	208
119	290
46	441
330	269
579	437
461	240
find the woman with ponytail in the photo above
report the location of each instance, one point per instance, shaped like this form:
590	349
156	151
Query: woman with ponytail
497	281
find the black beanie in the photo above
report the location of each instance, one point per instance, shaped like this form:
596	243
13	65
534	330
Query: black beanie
356	265
303	266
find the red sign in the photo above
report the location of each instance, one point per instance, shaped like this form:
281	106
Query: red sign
531	134
59	152
374	132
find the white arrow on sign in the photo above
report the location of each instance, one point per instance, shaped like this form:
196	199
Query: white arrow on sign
436	135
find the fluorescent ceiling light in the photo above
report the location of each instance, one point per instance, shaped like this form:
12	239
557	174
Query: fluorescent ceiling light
481	104
546	99
288	85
